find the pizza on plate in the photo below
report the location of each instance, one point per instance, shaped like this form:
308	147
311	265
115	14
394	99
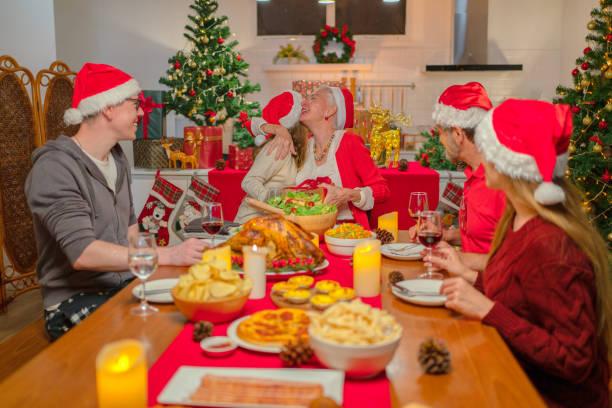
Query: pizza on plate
274	327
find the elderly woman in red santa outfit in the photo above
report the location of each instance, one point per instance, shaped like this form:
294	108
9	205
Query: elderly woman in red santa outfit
546	285
356	184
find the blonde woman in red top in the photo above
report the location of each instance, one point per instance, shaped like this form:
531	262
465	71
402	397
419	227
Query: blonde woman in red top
546	284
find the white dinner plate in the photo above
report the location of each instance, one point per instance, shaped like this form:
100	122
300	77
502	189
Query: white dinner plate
232	333
403	251
187	379
421	285
160	284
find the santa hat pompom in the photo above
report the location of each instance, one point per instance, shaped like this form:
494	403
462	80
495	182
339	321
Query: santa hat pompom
548	193
73	116
260	140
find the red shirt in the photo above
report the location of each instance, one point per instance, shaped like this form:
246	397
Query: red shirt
545	309
481	209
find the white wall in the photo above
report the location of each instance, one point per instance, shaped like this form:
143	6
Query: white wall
27	32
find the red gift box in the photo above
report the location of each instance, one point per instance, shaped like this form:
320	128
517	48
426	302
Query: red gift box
211	143
240	159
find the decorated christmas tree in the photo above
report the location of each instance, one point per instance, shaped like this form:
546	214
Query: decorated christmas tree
208	79
591	102
432	153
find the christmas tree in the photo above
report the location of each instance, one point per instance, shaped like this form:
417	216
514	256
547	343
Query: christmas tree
432	153
591	102
208	80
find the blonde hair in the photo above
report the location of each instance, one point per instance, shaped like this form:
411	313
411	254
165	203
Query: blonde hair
571	219
299	135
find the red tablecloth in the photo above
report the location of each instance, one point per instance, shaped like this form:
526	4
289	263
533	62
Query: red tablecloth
401	184
184	351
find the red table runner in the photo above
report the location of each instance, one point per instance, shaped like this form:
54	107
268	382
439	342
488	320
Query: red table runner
401	184
184	351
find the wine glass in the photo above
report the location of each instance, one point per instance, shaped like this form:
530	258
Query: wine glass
429	230
212	219
273	193
142	260
417	204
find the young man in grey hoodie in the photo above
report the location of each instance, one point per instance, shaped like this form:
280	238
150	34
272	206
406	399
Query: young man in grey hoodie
79	194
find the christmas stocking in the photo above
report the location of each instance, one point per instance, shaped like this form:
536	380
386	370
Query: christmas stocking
451	201
190	208
154	216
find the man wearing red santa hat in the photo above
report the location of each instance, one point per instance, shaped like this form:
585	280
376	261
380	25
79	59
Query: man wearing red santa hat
546	286
459	110
79	194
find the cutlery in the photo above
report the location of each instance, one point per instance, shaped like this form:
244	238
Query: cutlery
154	292
414	293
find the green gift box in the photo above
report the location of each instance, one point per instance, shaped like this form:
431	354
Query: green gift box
153	123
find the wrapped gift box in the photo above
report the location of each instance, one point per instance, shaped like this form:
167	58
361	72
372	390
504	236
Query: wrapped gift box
211	143
307	88
240	159
154	116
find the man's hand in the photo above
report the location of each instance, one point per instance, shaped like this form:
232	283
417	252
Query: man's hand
186	253
282	142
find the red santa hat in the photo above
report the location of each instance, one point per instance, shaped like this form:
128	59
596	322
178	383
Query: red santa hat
463	106
96	87
283	109
344	105
528	140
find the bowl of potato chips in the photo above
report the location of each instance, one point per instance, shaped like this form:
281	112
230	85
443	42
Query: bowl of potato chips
209	292
355	338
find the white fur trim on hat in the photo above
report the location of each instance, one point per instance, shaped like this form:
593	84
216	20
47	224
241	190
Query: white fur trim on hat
561	165
549	193
260	139
256	124
340	106
95	103
513	164
292	118
448	116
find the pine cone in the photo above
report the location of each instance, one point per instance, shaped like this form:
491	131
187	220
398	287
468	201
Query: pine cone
396	276
403	165
220	164
434	357
202	330
384	236
296	352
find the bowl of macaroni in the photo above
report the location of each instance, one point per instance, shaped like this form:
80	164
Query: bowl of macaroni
355	338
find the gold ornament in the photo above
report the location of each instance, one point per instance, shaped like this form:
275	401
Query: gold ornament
597	148
192	64
586	207
610	237
578	88
608	74
586	121
571	148
585	82
222	71
568	173
179	93
179	73
609	106
603	68
192	112
592	25
199	81
205	40
170	78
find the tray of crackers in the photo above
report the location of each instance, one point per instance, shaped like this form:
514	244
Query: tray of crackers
303	293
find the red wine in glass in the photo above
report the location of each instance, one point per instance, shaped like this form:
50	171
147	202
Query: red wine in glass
429	239
212	227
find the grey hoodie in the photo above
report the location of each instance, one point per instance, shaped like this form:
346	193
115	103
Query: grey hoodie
72	206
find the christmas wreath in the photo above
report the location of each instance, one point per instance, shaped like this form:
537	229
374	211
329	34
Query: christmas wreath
333	34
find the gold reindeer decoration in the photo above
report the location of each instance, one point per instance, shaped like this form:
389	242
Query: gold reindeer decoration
385	141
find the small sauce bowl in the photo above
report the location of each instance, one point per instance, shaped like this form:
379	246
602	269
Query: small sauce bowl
218	346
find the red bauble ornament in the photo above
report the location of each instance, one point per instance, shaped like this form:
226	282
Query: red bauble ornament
323	34
192	92
238	57
220	40
603	125
609	37
177	65
575	109
209	72
230	94
587	50
210	113
575	71
606	176
335	30
585	65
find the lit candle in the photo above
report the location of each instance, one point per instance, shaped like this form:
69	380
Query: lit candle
366	268
121	375
255	268
389	222
315	239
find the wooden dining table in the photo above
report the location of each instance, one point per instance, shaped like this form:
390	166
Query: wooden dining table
484	372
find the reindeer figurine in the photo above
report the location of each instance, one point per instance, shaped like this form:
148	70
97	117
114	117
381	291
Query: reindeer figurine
196	144
173	155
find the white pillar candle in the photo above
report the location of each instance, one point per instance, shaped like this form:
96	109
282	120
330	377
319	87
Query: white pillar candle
255	268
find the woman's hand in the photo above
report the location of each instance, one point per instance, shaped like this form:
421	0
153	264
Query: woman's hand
446	257
339	196
282	142
465	299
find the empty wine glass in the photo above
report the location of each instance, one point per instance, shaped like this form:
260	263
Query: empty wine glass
142	260
429	229
273	193
417	204
212	219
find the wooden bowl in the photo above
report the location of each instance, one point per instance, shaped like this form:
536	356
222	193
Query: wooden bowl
215	311
315	223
